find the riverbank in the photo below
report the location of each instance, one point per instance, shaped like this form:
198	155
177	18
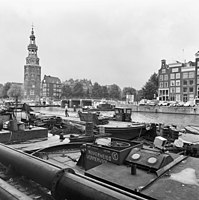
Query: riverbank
164	109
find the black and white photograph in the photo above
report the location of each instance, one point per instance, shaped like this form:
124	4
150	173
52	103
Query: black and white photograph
99	100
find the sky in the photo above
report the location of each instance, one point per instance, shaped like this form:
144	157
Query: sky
118	42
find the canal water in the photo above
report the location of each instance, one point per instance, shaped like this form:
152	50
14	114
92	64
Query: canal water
177	119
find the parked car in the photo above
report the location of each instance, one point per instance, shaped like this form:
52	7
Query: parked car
143	102
163	103
173	103
180	104
153	102
189	104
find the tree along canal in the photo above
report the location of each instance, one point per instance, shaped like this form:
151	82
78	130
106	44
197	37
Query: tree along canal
181	120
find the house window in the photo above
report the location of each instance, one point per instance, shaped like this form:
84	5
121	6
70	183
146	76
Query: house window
32	92
166	77
191	74
191	97
177	97
172	98
163	71
184	97
177	89
177	75
165	84
191	82
184	89
172	83
175	70
185	75
184	82
172	76
178	83
172	90
161	84
191	89
161	77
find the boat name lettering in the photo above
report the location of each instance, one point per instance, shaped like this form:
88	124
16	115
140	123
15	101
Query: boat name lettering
93	158
99	155
115	156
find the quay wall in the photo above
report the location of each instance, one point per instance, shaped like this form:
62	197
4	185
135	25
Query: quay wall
163	109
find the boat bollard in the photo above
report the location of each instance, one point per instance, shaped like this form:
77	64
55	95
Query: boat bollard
89	128
133	169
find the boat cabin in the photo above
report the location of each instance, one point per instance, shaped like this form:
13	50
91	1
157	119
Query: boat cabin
123	114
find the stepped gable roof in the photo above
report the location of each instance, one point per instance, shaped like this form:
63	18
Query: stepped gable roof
51	79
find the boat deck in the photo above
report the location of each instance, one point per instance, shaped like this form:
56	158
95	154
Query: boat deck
122	124
35	144
181	183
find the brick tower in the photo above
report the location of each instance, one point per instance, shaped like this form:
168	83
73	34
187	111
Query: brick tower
32	72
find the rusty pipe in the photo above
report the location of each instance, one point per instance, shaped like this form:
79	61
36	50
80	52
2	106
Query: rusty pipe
64	184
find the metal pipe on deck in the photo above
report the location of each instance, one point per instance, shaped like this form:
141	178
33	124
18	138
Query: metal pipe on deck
64	184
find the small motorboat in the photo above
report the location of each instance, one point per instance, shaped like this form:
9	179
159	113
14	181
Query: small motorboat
119	126
194	129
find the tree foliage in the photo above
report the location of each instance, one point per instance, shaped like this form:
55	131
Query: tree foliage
78	90
1	90
66	91
6	87
128	91
96	91
150	89
105	92
16	92
114	92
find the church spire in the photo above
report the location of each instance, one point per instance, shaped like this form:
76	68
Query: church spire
32	71
32	50
32	47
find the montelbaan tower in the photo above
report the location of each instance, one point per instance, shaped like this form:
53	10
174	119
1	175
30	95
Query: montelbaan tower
32	72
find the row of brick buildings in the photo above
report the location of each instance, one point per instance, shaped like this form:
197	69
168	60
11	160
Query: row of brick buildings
179	81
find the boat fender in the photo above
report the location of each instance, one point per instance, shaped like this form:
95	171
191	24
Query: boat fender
148	127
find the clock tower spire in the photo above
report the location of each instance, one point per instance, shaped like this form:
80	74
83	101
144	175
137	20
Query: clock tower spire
32	50
32	71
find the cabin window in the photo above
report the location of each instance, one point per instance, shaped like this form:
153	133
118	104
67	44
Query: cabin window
117	111
128	111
